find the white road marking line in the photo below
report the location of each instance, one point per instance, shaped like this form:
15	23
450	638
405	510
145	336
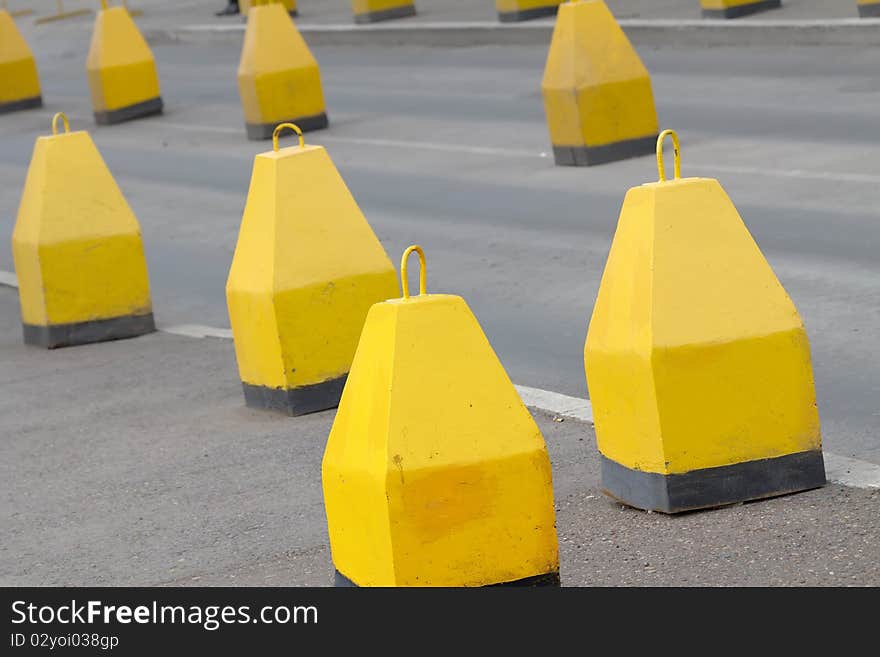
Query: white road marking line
797	174
387	143
562	405
851	472
8	279
838	469
198	331
802	174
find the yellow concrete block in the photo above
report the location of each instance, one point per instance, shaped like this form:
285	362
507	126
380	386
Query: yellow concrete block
697	361
510	11
435	474
597	93
19	80
278	78
306	269
373	11
869	8
245	5
77	248
736	8
121	70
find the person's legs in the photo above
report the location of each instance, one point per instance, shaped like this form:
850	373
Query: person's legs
230	10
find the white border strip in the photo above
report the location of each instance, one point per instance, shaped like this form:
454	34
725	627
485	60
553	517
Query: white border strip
553	402
838	469
8	279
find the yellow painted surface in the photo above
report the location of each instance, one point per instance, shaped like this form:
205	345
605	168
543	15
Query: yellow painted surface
307	267
18	70
76	243
120	65
278	78
868	2
695	357
245	5
371	6
596	90
726	4
504	6
434	473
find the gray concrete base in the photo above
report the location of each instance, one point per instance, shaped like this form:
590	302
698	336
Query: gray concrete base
870	11
102	330
386	15
136	111
23	104
260	131
585	156
742	10
296	401
713	487
548	579
527	15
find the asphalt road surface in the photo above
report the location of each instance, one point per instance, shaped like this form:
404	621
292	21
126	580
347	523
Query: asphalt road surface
448	148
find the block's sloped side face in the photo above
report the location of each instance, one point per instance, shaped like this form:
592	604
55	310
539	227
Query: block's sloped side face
20	87
618	349
731	358
306	270
355	459
736	8
121	68
250	290
373	11
510	11
729	361
467	480
77	244
278	77
597	93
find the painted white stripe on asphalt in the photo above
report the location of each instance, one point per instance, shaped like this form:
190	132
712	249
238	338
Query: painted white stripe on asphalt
799	174
8	279
386	143
563	405
838	469
802	174
851	472
198	331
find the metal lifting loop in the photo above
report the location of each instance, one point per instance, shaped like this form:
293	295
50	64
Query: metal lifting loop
677	154
404	281
292	126
55	118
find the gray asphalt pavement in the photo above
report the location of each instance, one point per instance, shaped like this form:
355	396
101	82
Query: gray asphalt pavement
137	463
116	481
448	148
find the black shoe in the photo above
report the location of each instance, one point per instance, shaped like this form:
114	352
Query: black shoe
230	10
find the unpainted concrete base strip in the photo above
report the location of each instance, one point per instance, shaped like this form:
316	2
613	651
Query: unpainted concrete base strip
549	579
708	488
260	131
385	15
23	104
136	111
296	401
742	10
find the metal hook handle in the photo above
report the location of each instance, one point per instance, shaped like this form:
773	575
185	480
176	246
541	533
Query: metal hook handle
677	154
404	282
63	117
292	126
